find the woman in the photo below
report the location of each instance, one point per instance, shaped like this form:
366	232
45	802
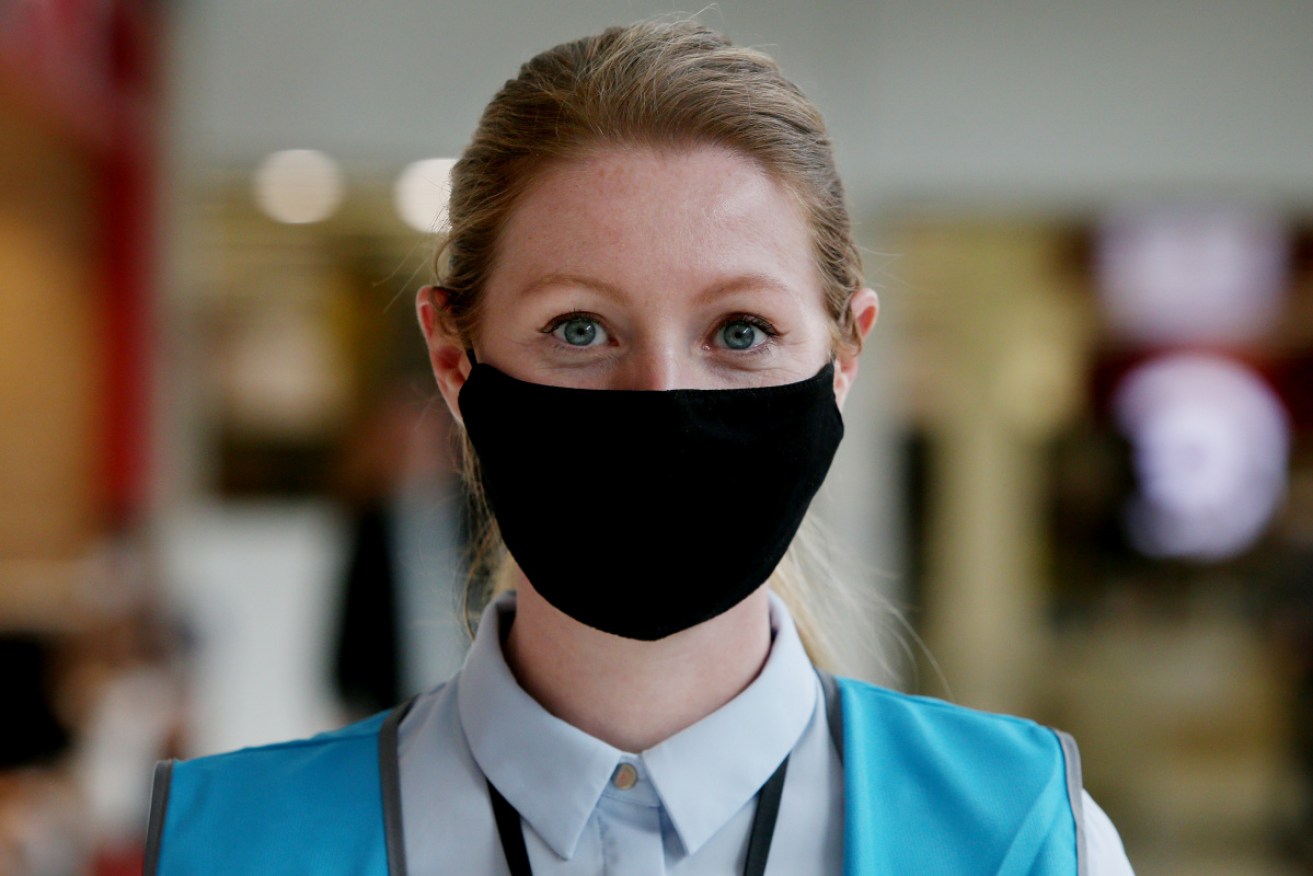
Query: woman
650	313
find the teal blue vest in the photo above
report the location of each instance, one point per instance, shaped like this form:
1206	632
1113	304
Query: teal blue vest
930	788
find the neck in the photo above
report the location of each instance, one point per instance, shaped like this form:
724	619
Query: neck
628	693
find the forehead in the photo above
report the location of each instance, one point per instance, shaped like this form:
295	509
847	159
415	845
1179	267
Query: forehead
684	215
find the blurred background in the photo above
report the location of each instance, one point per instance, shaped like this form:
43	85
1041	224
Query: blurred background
1079	460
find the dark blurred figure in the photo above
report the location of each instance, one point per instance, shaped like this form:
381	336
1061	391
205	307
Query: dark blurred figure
368	661
37	801
399	631
33	735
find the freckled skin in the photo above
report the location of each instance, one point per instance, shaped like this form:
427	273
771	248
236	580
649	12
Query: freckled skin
661	229
661	250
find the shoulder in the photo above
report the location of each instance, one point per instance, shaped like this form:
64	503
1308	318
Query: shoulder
914	743
863	695
969	785
890	717
269	767
309	796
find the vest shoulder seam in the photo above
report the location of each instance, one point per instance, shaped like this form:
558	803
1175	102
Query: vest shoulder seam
867	689
364	731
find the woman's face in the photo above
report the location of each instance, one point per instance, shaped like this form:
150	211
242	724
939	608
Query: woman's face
643	269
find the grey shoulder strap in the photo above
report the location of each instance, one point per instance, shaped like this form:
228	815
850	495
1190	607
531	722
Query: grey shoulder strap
389	775
1075	794
389	778
159	802
833	709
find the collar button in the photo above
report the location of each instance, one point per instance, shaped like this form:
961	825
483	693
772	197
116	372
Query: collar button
625	776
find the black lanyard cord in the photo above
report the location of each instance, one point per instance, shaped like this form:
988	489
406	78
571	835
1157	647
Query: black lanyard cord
763	822
512	836
759	838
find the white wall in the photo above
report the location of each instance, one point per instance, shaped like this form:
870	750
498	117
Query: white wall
258	585
1064	101
1032	101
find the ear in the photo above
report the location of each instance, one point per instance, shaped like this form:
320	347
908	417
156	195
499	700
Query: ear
865	308
446	350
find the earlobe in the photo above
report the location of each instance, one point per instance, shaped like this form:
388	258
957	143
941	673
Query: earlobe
446	350
865	309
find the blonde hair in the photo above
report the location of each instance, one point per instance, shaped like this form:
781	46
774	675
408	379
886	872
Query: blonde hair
652	84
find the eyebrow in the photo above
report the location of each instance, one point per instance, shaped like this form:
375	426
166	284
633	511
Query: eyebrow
740	283
743	283
558	279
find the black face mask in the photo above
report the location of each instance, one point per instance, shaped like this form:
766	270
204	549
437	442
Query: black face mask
642	513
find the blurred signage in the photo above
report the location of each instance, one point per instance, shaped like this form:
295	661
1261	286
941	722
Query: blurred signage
1204	275
1198	290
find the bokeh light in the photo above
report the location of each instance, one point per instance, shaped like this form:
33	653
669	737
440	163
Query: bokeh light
299	186
421	194
1211	443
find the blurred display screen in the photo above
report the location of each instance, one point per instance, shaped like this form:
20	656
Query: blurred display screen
1171	275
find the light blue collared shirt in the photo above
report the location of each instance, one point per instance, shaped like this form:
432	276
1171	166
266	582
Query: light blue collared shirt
683	807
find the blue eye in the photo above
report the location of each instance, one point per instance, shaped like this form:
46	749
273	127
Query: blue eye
579	331
740	334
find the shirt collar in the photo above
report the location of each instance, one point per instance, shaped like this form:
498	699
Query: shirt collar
703	775
707	772
522	748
